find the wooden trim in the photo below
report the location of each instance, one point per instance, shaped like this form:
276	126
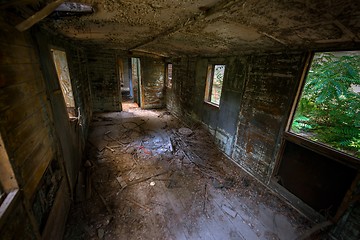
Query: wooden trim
210	104
322	149
7	176
348	198
30	214
55	224
140	74
299	89
119	69
208	82
8	205
297	203
167	74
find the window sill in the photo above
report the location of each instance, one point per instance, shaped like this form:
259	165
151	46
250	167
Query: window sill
7	205
321	149
212	105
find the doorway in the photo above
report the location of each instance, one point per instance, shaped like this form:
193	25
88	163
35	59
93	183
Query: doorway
135	79
129	78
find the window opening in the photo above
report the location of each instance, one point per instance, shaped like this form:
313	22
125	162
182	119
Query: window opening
136	80
328	110
2	194
214	82
63	74
169	75
8	184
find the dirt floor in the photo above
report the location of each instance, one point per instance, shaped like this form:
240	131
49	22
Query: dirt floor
146	176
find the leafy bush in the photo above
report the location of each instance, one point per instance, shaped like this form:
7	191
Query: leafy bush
329	108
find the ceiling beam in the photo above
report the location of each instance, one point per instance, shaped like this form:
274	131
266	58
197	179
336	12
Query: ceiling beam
220	6
38	16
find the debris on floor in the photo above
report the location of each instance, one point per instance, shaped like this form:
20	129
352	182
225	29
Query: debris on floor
151	182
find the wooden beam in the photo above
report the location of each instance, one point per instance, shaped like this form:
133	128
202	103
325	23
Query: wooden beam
37	17
222	5
273	38
147	53
344	29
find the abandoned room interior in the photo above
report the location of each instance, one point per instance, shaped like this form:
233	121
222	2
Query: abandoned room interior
180	119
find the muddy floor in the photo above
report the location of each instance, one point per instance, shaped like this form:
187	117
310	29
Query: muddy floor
148	176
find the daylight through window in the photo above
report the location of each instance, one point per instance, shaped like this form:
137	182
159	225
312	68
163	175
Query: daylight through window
62	71
169	75
8	184
214	82
328	110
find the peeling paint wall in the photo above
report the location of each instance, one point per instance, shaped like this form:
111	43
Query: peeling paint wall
257	95
186	97
255	100
180	97
270	86
105	84
152	82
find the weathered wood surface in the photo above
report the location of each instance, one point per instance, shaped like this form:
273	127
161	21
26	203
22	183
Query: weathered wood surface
38	16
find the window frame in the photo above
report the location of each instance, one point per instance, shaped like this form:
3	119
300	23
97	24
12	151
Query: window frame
317	147
72	113
209	83
168	80
9	184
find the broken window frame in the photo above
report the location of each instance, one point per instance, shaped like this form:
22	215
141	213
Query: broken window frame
70	106
317	147
9	186
169	75
209	84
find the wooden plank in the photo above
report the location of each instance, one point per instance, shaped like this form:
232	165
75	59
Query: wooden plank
9	35
7	176
12	225
55	225
7	205
26	150
322	149
17	136
14	94
239	223
348	198
176	208
12	54
37	17
27	169
32	183
17	114
296	203
13	74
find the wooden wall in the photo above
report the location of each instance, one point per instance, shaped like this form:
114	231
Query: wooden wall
34	125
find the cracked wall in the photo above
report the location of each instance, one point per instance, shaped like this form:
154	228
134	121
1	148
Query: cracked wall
104	80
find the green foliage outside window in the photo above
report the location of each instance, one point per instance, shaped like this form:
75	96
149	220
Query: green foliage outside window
329	108
219	71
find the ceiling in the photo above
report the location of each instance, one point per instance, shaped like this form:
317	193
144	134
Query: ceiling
213	27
